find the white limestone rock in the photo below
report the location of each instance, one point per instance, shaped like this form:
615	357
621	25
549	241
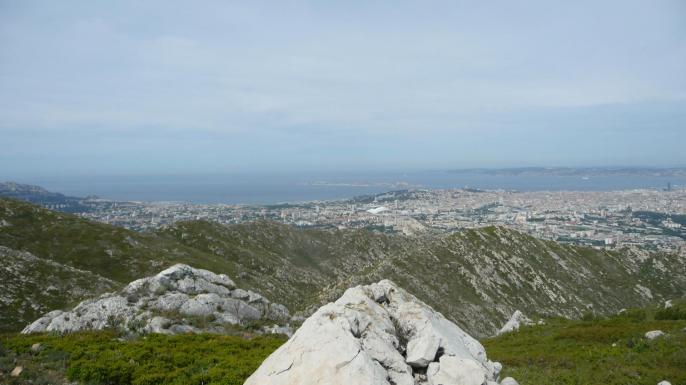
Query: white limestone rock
360	339
517	320
509	381
497	367
169	302
16	372
277	329
458	371
181	290
159	325
653	334
422	350
41	324
664	383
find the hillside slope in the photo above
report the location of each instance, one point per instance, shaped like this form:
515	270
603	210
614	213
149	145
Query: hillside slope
475	277
32	286
53	260
612	350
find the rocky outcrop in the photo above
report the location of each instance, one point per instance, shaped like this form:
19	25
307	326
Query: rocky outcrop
179	299
517	320
377	334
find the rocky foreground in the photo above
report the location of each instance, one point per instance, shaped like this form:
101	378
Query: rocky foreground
179	299
378	334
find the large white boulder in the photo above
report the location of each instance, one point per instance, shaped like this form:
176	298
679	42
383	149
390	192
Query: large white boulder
381	335
517	320
169	302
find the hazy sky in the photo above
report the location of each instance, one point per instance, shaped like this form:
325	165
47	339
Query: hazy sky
103	87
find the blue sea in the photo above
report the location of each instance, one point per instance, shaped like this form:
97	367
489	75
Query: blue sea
277	188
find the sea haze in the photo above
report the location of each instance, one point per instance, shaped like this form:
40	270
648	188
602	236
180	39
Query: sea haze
275	188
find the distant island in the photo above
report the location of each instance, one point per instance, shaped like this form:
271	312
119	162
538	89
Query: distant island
677	172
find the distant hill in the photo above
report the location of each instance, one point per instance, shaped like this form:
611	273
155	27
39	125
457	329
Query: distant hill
677	172
43	197
475	277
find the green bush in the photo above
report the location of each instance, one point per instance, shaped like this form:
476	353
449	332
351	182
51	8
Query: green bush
636	315
676	312
99	358
609	351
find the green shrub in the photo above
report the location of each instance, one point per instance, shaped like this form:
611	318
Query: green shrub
608	351
99	358
676	312
636	315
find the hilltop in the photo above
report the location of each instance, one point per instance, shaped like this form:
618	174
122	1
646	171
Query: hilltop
474	277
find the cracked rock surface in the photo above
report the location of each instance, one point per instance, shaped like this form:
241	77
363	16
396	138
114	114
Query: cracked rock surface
381	335
179	299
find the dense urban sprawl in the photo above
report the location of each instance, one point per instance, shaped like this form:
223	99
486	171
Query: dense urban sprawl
653	219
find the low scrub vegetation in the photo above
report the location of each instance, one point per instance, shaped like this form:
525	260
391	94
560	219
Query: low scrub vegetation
597	350
593	350
104	358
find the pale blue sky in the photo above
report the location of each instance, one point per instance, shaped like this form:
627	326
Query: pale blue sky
102	87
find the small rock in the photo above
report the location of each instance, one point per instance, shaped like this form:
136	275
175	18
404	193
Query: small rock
651	335
517	320
509	381
276	329
664	383
16	371
668	304
497	368
36	347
